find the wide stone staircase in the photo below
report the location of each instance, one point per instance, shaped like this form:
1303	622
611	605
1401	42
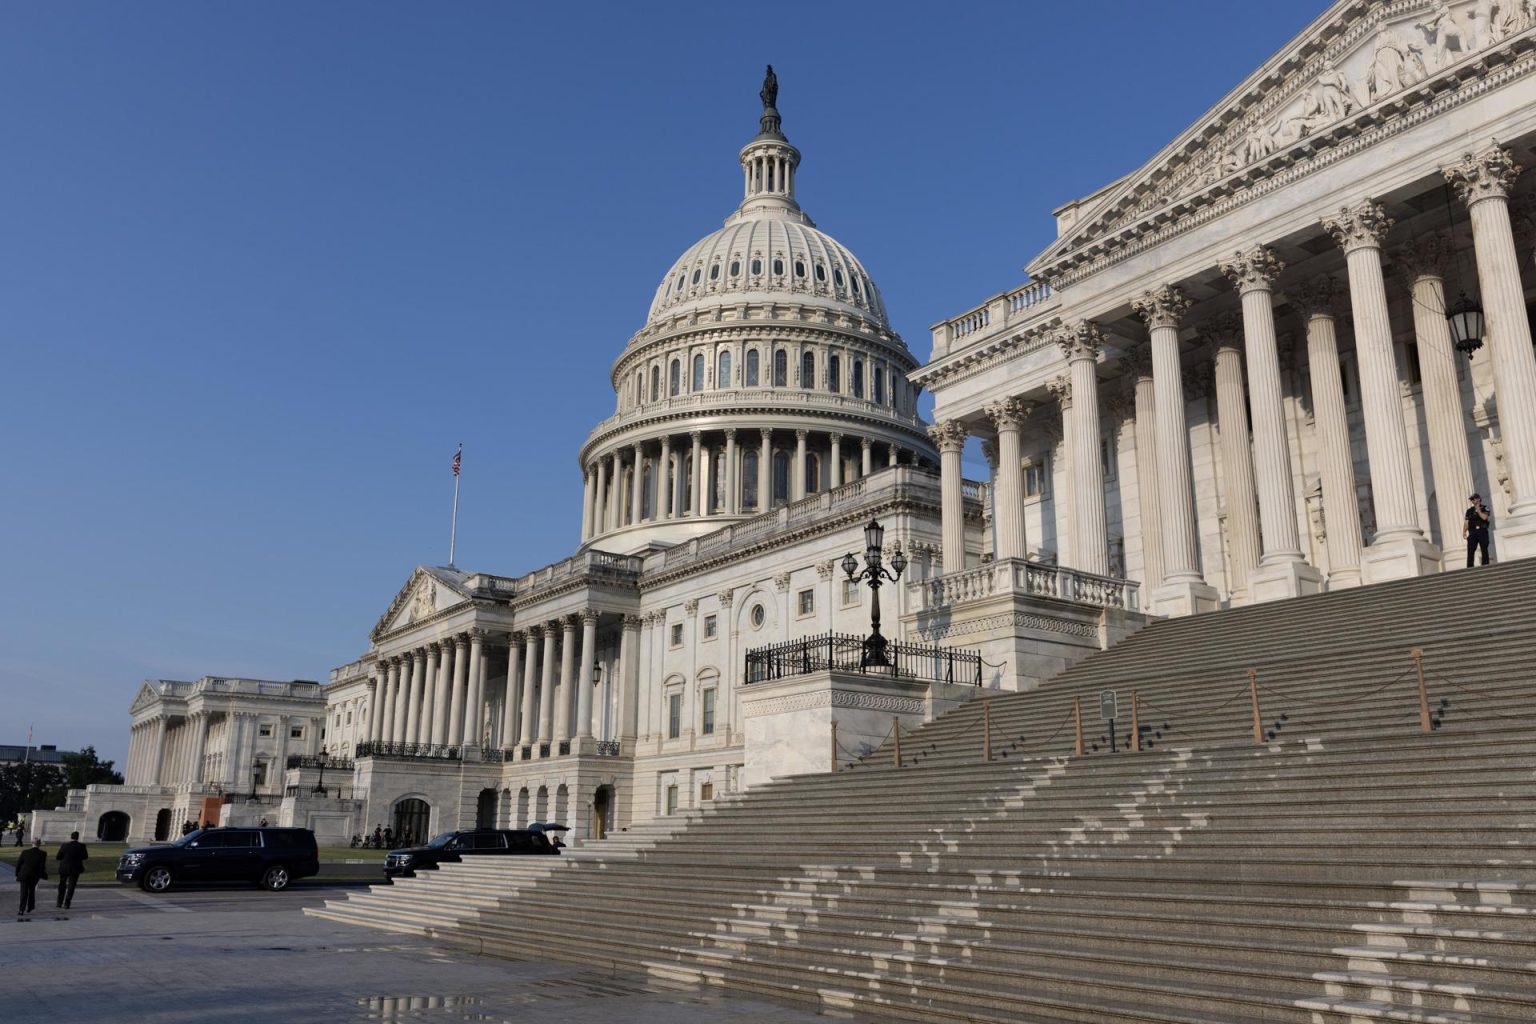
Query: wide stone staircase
1350	867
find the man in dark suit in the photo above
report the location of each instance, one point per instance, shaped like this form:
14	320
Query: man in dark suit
31	868
71	859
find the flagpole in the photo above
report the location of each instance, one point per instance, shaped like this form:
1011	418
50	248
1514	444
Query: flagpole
453	533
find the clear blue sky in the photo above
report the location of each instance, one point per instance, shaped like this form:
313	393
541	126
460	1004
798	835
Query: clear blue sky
263	266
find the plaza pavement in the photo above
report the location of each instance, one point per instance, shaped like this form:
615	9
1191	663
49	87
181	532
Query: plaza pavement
242	954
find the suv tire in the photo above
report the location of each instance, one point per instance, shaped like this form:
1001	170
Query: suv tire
158	879
275	878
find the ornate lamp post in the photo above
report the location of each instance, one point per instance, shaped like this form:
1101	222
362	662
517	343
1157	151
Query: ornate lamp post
256	773
319	789
875	574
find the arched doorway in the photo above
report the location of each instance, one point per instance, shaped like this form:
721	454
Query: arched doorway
163	825
562	803
412	819
602	812
112	827
485	809
522	807
541	805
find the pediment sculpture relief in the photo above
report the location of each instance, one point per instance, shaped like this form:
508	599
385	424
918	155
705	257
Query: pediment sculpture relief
425	602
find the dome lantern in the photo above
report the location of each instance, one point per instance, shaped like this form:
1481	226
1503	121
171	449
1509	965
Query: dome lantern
768	162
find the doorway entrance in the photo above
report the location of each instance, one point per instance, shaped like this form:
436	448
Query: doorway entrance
412	819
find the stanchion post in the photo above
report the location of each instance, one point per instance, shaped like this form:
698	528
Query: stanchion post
1077	714
1258	719
834	744
1418	663
1135	725
896	731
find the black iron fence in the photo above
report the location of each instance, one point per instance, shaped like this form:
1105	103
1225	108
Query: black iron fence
411	751
495	755
607	748
340	764
843	652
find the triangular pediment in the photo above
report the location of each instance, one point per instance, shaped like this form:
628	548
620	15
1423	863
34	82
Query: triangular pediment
428	591
146	697
1360	58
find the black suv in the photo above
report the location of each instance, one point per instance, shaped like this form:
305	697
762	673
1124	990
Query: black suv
271	857
450	846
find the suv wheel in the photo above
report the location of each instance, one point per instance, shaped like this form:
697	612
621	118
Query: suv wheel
275	878
158	879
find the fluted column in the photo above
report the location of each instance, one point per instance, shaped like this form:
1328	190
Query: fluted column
527	722
432	693
1139	367
567	678
1317	304
600	498
664	510
797	485
1184	590
1007	419
1282	572
584	679
474	703
1241	502
199	746
1424	260
732	475
586	502
1064	502
458	697
949	438
1080	343
509	702
696	506
1483	180
765	473
413	697
835	470
637	491
1400	548
866	458
615	492
547	684
629	677
389	704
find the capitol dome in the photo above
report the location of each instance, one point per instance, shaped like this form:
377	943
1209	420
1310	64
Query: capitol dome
766	372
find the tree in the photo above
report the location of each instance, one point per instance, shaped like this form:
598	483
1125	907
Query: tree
86	769
28	786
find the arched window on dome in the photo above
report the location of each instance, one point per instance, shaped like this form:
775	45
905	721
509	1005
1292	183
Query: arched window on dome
735	268
648	491
723	371
687	484
655	383
780	477
757	267
778	268
837	277
858	378
879	393
807	370
780	369
698	372
812	473
855	279
749	480
752	361
675	380
799	268
714	272
821	273
834	374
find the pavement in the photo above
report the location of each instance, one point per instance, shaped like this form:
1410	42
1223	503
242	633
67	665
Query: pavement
243	954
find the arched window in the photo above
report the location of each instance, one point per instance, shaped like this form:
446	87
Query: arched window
735	268
687	482
717	482
752	360
723	371
834	374
655	383
757	267
837	278
675	382
698	372
749	480
780	477
807	370
714	272
858	378
778	268
648	492
879	384
780	369
799	268
812	473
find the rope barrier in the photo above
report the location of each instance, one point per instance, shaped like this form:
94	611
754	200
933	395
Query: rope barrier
1473	693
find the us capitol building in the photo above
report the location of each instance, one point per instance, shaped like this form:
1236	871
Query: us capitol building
1274	360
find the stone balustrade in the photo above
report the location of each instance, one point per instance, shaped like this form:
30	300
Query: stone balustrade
777	398
1000	313
1035	579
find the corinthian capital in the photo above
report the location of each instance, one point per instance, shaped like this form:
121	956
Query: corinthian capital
1079	340
1317	298
1253	269
1010	413
1060	388
1486	175
1361	226
1162	307
1224	331
948	436
1137	362
1425	256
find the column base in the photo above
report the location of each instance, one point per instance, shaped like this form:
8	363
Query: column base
1513	538
1344	579
1186	597
1399	558
1280	580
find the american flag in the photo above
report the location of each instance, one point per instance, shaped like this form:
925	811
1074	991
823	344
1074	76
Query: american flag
458	458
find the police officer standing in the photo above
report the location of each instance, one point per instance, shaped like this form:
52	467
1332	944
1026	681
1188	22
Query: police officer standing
1475	529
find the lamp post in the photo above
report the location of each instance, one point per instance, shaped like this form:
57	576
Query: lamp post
319	789
875	574
256	767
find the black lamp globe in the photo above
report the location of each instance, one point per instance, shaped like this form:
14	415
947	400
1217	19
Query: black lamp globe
1466	322
850	565
874	536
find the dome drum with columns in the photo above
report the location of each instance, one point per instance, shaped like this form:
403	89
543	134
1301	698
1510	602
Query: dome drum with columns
766	371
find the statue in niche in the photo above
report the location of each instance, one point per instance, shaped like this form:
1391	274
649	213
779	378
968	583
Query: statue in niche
769	93
1397	64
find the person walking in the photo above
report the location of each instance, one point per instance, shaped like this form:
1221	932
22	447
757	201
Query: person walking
31	868
1475	529
71	859
21	832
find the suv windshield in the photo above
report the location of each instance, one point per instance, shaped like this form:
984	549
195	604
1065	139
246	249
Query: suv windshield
442	841
189	837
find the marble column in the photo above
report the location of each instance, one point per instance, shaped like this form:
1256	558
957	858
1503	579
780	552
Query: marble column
1483	181
1012	540
1424	260
584	679
413	697
1317	304
509	700
474	702
458	697
629	677
797	485
765	473
530	685
696	506
892	454
1138	364
567	679
732	475
1184	590
1400	548
949	438
431	694
1080	343
1064	500
1282	571
615	492
547	684
199	746
586	502
835	470
600	498
664	509
637	489
866	458
1242	504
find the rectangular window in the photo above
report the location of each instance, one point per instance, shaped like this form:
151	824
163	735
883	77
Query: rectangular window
710	626
707	723
1037	478
1107	458
296	733
707	791
677	634
263	730
807	602
349	718
851	591
674	716
672	799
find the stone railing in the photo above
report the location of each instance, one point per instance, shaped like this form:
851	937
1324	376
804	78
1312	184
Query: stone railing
588	563
1035	579
999	313
785	398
